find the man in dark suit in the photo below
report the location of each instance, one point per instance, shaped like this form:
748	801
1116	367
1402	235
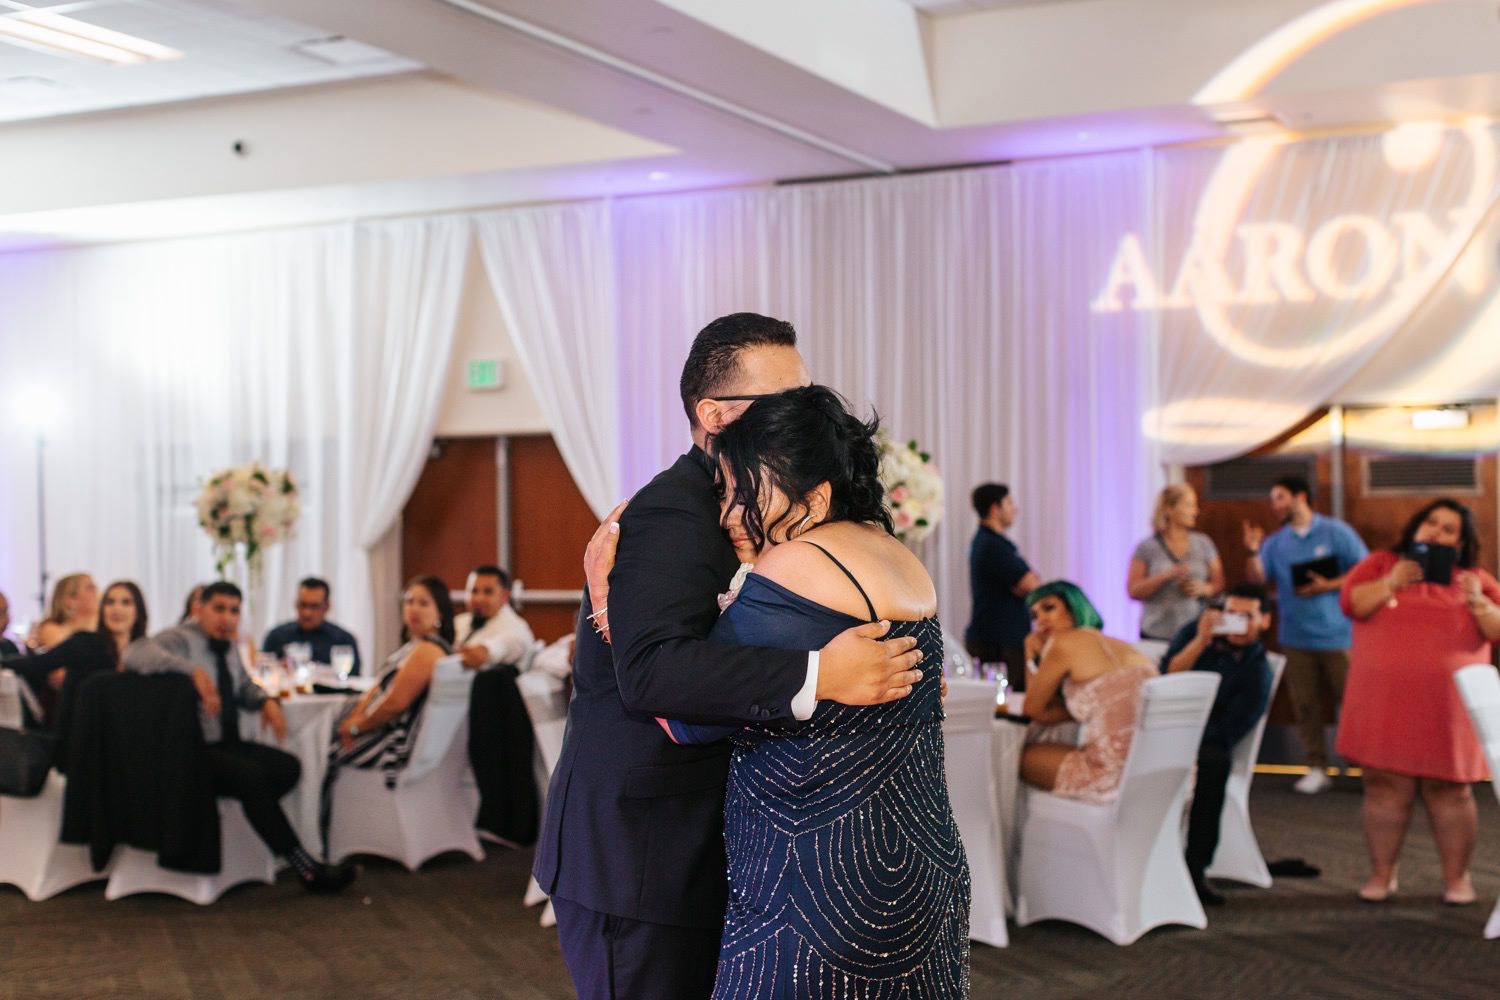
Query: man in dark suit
632	848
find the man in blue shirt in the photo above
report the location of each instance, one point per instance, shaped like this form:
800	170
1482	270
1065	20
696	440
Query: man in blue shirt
999	581
1314	633
1227	643
311	626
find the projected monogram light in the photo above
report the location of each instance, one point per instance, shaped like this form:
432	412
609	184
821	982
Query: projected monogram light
1351	276
1389	263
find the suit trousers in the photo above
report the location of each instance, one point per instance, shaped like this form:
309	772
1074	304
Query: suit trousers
615	958
1208	806
258	776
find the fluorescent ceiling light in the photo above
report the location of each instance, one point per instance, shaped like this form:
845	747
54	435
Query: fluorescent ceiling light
54	33
1440	419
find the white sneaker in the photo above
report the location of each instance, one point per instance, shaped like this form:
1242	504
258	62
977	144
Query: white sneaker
1313	782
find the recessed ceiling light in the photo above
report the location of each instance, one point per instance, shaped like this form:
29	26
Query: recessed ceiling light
658	175
341	51
59	35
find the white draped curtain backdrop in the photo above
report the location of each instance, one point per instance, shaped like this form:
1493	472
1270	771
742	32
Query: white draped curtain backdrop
1070	327
147	367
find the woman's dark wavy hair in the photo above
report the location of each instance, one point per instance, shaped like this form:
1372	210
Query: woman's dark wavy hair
1468	535
440	597
794	441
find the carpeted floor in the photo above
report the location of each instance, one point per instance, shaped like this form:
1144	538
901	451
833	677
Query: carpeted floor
457	929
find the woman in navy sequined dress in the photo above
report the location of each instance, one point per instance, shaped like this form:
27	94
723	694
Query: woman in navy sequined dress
846	874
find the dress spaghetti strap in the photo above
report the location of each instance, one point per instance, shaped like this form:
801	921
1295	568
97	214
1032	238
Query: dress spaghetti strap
873	616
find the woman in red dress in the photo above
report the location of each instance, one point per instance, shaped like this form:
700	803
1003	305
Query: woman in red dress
1403	720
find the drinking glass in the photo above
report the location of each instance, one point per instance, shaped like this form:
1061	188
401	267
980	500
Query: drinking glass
343	662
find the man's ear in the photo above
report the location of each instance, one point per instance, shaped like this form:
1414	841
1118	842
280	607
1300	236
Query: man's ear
710	416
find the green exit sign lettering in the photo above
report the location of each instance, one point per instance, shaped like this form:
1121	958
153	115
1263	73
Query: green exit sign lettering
485	373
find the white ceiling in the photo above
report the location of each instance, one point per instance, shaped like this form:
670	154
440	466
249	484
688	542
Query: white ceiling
229	47
491	102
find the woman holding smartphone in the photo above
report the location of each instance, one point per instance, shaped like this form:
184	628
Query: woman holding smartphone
1403	720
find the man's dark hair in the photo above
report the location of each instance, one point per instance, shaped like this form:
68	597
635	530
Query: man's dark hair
1253	591
489	569
314	583
1295	485
221	588
986	495
714	359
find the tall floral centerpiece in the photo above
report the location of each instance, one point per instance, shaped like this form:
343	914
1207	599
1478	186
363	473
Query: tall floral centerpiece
245	510
913	489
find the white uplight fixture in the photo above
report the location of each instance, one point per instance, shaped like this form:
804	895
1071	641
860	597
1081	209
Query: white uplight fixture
57	34
1440	418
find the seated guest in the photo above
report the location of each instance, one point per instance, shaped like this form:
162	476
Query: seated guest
1227	643
192	604
258	776
1085	675
8	645
557	658
122	620
381	729
311	626
490	632
75	607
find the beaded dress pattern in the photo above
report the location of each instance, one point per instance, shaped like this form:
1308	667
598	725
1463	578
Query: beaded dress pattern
847	877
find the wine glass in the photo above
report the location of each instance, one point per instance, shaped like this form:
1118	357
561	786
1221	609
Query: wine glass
343	662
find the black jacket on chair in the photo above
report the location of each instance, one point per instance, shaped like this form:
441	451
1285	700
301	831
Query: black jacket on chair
138	774
635	823
501	751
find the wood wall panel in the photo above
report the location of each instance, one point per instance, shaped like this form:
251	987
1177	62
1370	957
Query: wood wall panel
450	521
550	525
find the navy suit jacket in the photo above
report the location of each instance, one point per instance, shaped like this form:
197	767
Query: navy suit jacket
634	824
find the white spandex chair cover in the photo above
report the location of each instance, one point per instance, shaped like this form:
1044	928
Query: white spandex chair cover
968	736
1117	867
31	857
1479	686
10	700
1238	856
244	857
547	706
428	812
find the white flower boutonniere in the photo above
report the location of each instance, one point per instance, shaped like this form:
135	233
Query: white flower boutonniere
727	598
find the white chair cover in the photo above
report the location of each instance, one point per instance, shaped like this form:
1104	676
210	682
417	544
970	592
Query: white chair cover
1117	867
244	857
1151	649
31	858
968	735
547	706
1238	856
428	812
10	700
1479	686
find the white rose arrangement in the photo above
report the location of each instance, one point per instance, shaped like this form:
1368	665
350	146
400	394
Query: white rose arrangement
248	505
913	489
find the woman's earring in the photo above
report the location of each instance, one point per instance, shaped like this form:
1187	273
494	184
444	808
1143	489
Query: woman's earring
802	525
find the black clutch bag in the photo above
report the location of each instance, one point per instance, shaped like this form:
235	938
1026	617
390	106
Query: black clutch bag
25	759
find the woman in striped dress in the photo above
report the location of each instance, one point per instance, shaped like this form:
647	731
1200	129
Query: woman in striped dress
381	729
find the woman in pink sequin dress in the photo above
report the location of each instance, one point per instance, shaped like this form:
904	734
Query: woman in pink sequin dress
1081	675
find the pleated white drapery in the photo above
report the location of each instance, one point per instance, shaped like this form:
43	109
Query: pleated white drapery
149	366
1070	327
552	273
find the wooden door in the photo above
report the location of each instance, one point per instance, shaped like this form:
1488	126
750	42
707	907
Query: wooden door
550	525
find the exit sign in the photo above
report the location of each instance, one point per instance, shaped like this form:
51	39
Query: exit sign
486	373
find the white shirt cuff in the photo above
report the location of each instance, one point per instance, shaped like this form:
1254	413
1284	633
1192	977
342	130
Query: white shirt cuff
806	701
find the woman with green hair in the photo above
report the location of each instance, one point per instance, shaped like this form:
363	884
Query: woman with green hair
1083	675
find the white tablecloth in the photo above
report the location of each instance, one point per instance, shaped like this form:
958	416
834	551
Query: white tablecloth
309	729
